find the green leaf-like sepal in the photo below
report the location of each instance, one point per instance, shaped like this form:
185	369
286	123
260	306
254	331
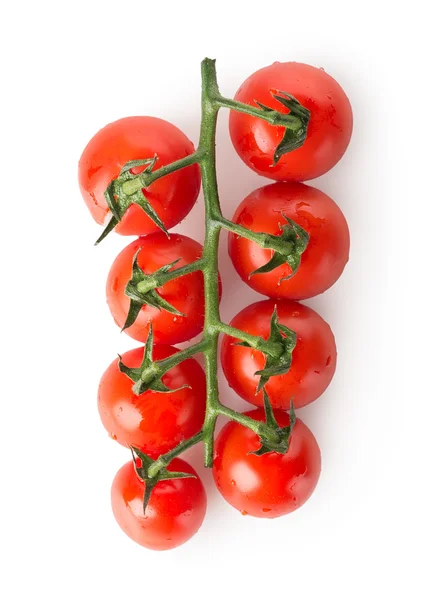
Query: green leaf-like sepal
277	364
293	138
141	281
108	229
118	200
148	376
283	434
142	471
292	234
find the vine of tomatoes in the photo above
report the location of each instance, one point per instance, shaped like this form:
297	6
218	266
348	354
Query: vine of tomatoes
289	241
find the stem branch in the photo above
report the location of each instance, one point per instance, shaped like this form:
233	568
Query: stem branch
256	342
164	365
159	279
147	178
273	117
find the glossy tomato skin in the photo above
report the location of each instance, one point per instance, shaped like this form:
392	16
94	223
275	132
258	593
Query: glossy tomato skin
329	130
270	485
174	514
323	260
185	293
313	363
132	138
154	422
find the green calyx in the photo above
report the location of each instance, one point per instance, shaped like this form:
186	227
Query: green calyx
142	464
148	375
125	190
278	362
288	248
280	442
296	123
141	289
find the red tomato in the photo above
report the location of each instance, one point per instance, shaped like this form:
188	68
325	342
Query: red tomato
175	511
155	422
314	357
330	125
186	293
270	485
133	138
325	256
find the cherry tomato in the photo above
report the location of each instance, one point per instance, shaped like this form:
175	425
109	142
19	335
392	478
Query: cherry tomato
270	485
155	422
313	363
186	293
175	511
325	256
133	138
329	130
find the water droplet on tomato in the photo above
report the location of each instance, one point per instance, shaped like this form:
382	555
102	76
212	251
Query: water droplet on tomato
244	513
233	482
113	436
296	313
266	510
328	361
115	284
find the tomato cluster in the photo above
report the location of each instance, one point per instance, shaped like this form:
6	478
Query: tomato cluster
287	240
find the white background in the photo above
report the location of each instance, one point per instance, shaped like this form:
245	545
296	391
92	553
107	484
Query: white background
67	70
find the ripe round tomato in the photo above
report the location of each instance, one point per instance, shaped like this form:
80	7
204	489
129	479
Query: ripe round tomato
133	138
329	130
155	422
186	293
270	485
314	357
325	256
175	511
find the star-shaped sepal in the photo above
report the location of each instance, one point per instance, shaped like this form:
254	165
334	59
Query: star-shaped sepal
296	122
288	248
278	350
283	434
122	192
148	376
142	464
141	289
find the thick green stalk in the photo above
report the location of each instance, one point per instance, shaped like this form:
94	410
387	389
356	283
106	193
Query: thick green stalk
208	264
210	255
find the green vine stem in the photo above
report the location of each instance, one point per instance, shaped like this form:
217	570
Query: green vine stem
276	348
